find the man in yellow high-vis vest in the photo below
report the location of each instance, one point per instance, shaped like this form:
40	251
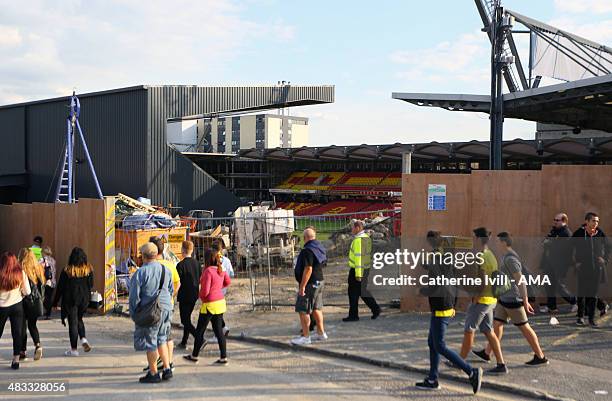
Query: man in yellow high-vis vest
37	247
359	262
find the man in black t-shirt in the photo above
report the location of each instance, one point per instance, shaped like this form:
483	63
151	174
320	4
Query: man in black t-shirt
189	271
309	275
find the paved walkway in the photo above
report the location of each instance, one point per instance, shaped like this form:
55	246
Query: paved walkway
255	372
580	357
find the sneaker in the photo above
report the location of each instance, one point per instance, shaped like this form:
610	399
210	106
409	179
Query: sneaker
593	323
476	379
221	361
14	365
38	353
150	378
71	353
226	331
191	358
580	322
498	370
375	314
428	385
350	319
23	356
574	308
167	374
543	309
301	340
318	337
86	346
180	346
554	321
482	355
537	361
605	310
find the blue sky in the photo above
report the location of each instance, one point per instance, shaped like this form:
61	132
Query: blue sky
367	49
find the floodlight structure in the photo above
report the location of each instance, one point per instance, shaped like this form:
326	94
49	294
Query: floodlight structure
552	52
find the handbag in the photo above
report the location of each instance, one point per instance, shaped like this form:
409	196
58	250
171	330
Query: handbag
149	315
33	302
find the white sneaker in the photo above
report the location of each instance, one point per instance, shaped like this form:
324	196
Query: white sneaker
71	353
574	308
301	340
543	309
226	331
554	321
318	337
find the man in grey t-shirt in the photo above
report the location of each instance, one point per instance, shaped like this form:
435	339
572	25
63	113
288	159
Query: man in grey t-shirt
514	304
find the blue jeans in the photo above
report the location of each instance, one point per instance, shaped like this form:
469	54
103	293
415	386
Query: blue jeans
437	347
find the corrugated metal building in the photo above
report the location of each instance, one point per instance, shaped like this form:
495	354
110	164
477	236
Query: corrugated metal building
125	130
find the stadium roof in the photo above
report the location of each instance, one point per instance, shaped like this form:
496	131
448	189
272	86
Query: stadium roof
586	103
517	149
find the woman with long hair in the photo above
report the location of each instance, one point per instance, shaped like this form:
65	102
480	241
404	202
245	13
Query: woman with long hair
74	289
14	286
212	282
32	305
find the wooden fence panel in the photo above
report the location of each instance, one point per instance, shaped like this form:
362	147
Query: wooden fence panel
43	223
21	231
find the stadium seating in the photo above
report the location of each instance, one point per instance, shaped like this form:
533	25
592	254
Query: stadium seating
368	179
336	208
352	183
393	180
299	208
339	207
292	180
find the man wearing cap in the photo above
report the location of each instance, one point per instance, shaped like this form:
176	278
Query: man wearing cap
148	284
359	261
37	247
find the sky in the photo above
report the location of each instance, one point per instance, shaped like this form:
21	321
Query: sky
366	49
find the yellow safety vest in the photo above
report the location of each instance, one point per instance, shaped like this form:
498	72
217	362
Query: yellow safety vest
360	254
37	252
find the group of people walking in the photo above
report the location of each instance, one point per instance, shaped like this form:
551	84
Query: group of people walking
156	285
488	312
29	291
588	250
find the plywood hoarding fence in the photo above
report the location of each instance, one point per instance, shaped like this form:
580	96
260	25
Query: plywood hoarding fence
522	202
88	224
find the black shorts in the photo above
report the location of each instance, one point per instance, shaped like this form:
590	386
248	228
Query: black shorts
312	299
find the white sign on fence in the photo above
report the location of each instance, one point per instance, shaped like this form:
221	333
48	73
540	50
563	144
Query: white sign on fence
436	197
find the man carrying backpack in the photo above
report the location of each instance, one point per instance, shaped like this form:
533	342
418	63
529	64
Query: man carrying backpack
514	304
309	275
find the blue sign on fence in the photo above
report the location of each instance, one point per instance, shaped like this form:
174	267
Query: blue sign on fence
436	197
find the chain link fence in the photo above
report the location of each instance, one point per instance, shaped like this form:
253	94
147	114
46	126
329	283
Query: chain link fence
263	246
